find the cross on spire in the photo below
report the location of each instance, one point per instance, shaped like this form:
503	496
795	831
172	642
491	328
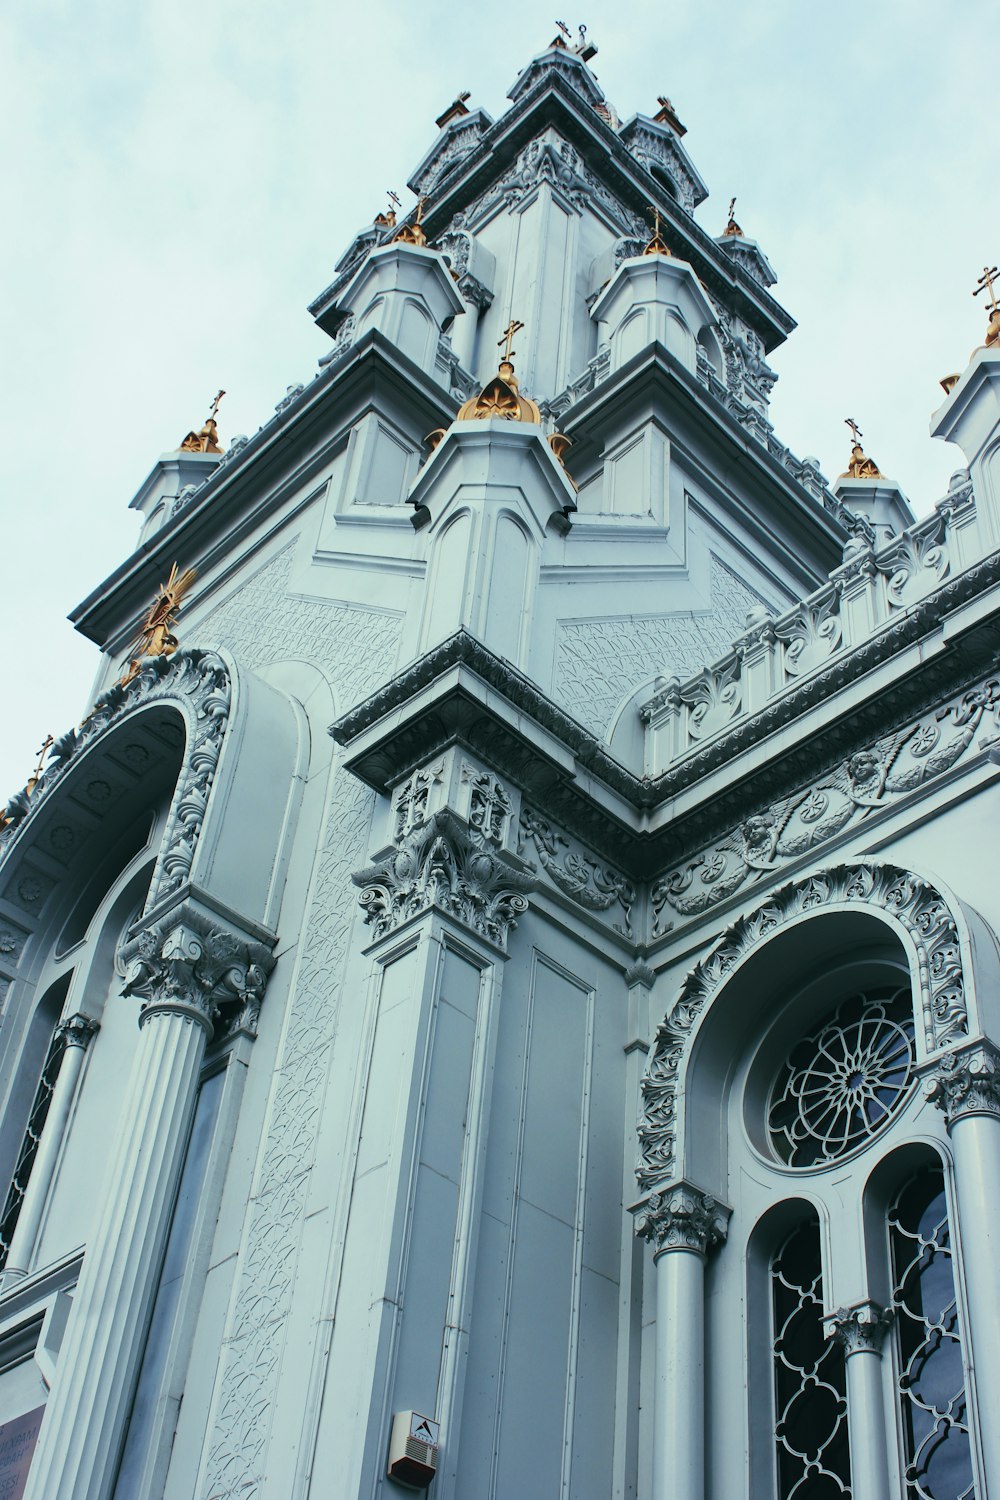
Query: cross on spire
215	405
507	337
985	284
395	201
856	432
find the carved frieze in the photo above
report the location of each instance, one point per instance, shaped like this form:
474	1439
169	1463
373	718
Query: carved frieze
594	886
864	782
682	1217
445	864
909	900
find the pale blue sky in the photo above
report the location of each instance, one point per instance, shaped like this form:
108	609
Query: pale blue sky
180	179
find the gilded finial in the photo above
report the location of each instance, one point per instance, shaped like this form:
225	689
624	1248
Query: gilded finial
860	467
667	115
500	397
732	228
986	284
206	439
657	245
155	637
411	233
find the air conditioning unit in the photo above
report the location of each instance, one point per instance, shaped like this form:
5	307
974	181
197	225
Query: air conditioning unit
413	1449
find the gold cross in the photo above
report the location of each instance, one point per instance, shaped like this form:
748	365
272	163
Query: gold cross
514	326
215	404
35	776
656	220
420	210
394	200
985	284
855	429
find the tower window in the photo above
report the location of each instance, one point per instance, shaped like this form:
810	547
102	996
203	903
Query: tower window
840	1085
931	1378
810	1396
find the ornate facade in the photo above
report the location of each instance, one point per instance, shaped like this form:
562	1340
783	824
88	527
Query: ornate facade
517	944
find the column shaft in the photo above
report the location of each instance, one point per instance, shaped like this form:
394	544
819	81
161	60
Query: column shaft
679	1406
84	1424
976	1141
50	1143
866	1426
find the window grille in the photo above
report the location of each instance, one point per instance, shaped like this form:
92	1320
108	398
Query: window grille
931	1377
843	1083
29	1145
813	1460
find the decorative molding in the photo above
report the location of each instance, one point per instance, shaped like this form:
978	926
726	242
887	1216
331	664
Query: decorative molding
860	1329
77	1030
909	900
198	681
187	964
865	781
682	1217
445	865
592	885
967	1082
490	807
264	1282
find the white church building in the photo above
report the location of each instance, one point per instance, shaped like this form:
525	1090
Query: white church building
500	991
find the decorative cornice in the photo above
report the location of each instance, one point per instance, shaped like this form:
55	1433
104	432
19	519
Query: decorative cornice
682	1217
967	1082
921	909
77	1030
860	1329
188	964
444	865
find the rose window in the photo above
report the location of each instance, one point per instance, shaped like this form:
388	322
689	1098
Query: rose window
842	1084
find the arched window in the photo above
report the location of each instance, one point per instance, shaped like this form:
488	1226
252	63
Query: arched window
930	1373
810	1395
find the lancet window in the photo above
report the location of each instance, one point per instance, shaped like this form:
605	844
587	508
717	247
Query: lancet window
29	1144
810	1395
930	1377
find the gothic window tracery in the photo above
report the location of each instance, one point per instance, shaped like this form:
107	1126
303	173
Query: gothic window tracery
810	1394
843	1083
29	1143
930	1378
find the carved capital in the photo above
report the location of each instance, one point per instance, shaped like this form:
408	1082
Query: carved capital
77	1030
474	292
682	1217
188	964
445	864
967	1082
860	1329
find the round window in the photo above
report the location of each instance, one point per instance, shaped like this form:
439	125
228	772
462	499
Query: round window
843	1083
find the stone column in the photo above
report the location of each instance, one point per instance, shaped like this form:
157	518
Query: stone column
967	1088
683	1225
860	1330
75	1032
191	975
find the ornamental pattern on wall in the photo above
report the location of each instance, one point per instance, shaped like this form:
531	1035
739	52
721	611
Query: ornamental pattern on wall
870	779
917	905
587	680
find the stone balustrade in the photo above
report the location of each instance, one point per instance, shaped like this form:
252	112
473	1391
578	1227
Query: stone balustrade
871	592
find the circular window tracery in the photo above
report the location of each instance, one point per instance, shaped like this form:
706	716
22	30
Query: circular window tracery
840	1085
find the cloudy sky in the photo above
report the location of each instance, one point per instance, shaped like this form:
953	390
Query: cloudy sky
180	179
